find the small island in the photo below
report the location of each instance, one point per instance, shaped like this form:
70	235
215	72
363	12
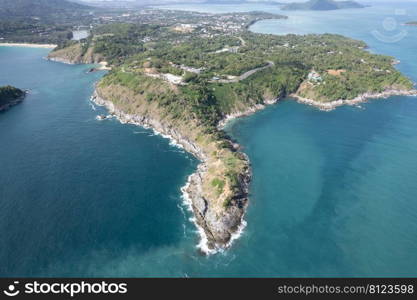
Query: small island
10	96
412	23
322	5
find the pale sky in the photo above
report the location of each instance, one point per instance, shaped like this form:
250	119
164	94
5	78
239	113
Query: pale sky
217	1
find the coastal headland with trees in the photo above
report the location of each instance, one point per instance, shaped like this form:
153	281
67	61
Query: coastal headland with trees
185	74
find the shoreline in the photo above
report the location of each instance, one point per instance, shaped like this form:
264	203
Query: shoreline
12	103
61	60
250	111
192	188
329	106
29	45
102	65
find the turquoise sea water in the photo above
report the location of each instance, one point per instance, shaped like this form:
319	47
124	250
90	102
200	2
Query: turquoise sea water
333	194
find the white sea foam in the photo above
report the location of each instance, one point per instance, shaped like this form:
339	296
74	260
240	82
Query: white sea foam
204	242
171	139
139	132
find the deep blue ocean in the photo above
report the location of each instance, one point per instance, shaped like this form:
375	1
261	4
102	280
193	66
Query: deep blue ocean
333	194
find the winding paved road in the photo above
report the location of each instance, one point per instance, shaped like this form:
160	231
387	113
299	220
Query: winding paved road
245	75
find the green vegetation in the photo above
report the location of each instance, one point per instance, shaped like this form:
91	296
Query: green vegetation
201	100
218	184
37	7
189	74
210	86
322	5
41	21
21	32
345	68
52	21
184	72
51	10
9	95
119	41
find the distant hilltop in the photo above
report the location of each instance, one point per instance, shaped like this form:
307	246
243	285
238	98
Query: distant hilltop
322	5
27	8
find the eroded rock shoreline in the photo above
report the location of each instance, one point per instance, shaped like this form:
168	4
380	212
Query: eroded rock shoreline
11	104
328	106
216	234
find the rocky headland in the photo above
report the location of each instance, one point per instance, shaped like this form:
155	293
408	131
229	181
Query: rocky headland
218	224
10	96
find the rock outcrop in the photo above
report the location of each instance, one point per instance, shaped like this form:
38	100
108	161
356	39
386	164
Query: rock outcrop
75	54
218	223
10	96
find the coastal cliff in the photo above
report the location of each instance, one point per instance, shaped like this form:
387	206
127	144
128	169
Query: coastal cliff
75	54
217	202
10	96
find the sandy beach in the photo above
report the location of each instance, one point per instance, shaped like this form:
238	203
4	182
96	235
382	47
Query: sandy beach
104	66
28	45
